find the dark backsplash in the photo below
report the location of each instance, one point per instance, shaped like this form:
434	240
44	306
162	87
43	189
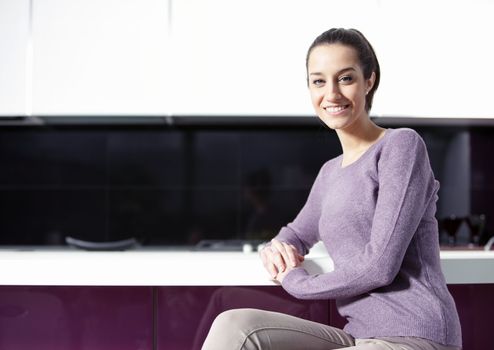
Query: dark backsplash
182	183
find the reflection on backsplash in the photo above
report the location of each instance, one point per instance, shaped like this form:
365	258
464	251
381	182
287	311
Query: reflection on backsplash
474	224
182	185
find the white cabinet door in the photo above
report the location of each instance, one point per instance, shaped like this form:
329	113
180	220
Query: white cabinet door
14	35
100	57
247	57
436	59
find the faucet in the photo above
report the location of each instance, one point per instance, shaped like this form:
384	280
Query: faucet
489	244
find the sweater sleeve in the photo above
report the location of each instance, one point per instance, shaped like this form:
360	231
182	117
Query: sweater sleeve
303	231
406	185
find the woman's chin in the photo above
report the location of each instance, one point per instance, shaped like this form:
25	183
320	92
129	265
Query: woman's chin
334	123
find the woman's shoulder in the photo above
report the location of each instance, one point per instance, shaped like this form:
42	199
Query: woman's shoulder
403	144
404	138
406	134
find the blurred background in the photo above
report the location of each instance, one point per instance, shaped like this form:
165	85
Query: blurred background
179	121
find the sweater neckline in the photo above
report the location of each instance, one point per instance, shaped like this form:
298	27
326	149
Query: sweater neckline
364	155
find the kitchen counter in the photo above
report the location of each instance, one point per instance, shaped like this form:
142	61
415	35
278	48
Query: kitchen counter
188	268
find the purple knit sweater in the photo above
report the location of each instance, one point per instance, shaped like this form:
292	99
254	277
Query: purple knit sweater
376	219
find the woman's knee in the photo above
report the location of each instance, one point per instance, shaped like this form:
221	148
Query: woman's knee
231	329
237	320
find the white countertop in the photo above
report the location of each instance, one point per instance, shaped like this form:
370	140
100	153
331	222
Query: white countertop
187	268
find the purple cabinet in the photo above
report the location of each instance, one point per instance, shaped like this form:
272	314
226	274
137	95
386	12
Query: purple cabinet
185	314
76	318
176	318
475	304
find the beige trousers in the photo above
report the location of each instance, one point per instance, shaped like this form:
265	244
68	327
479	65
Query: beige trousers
252	329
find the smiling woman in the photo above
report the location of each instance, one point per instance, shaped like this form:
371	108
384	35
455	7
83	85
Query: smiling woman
363	59
337	85
374	209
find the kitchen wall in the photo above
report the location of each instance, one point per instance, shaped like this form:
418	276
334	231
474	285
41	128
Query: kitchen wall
194	180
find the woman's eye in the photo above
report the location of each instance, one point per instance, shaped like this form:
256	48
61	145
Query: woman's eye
318	82
345	79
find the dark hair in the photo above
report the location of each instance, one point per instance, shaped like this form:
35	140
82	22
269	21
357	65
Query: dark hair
365	53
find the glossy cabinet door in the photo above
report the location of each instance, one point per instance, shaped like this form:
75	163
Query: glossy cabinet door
185	314
450	50
100	57
248	57
76	318
14	49
176	318
475	304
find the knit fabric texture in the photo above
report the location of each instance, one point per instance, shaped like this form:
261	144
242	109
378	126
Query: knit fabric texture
376	218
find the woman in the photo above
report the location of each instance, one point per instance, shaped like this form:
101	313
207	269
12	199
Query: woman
373	207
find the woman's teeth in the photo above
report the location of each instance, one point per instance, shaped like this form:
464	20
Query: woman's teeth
335	109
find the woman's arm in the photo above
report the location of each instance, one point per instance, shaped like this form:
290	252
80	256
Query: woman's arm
406	186
293	241
303	232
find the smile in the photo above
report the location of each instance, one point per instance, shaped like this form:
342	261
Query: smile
336	109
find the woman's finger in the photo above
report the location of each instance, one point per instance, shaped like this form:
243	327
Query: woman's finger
267	261
298	257
292	254
278	260
282	258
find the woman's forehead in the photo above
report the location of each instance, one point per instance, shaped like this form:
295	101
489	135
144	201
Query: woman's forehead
332	57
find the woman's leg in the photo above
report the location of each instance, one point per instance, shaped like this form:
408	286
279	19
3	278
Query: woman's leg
228	298
251	329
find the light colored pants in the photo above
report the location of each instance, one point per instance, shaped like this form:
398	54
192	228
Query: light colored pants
252	329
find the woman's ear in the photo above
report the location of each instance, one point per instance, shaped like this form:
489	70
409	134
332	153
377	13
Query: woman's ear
370	82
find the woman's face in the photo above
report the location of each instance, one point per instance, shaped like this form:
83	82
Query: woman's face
337	85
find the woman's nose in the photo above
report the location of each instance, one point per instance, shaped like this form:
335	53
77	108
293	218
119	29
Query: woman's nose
332	92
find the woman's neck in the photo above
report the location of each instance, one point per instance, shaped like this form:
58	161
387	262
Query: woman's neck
357	138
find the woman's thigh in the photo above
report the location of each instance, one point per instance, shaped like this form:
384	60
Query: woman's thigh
258	329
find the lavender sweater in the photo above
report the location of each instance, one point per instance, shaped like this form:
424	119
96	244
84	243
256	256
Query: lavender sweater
376	219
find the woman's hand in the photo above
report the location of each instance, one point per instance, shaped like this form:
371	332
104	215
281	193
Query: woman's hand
279	258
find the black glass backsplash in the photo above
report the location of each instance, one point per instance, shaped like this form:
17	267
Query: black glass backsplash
178	185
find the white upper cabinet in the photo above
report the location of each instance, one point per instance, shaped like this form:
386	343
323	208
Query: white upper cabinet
236	57
100	57
247	57
14	43
436	59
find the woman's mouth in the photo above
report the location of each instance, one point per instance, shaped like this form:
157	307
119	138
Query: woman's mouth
335	110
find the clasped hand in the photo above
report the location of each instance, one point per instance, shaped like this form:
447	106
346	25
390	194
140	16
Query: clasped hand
280	258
